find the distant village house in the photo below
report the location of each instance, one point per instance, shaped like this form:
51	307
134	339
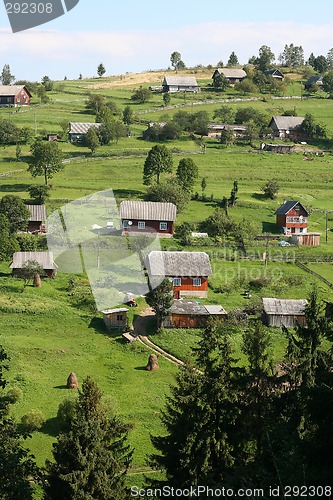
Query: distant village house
78	130
274	73
148	217
45	259
233	75
37	218
190	314
14	95
284	312
292	217
287	127
180	84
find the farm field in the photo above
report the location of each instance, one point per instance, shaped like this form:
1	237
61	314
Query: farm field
48	333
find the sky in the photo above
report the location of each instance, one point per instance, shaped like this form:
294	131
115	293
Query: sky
132	36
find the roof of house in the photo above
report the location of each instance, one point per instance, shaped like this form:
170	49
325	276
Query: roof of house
228	126
12	90
178	263
273	72
148	210
180	80
287	122
318	79
37	213
192	308
284	307
115	311
231	72
45	259
287	205
82	128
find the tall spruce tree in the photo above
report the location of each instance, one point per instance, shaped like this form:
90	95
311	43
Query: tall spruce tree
92	458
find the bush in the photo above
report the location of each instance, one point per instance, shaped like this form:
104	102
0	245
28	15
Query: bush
66	412
33	420
14	395
27	242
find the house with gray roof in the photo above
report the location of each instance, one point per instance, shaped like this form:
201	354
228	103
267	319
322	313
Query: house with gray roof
314	82
191	314
78	130
284	312
287	127
45	259
274	73
14	95
147	217
37	218
233	75
188	271
180	84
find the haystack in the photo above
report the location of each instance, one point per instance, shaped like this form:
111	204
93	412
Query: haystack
152	363
72	382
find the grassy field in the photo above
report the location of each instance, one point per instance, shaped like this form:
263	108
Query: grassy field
48	333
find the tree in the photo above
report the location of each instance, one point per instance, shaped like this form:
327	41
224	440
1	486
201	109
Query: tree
95	102
219	224
39	193
16	212
320	64
6	76
187	172
47	83
141	95
329	59
166	98
328	83
266	58
159	160
31	270
41	93
224	113
203	186
90	459
233	59
91	140
221	82
169	192
175	59
160	299
101	70
270	189
311	129
233	195
46	159
292	56
227	137
128	115
8	242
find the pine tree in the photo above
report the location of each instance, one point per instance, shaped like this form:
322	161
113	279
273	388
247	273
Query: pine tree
92	458
160	299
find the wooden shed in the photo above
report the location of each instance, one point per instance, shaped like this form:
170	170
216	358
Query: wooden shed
191	314
115	318
307	239
45	259
284	312
37	218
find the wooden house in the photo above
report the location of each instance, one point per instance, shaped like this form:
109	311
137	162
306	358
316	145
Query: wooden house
287	127
180	84
78	130
190	314
314	82
37	218
277	148
45	259
188	271
233	75
215	129
284	312
148	217
14	95
292	217
115	318
274	73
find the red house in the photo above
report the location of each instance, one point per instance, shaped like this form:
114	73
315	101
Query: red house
188	272
148	217
292	217
14	95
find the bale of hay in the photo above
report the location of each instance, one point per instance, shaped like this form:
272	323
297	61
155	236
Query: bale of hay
72	382
152	363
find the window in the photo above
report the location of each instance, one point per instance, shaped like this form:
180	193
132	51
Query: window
196	281
177	281
141	224
163	226
119	317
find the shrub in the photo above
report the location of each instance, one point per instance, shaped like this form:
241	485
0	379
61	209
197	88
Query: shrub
14	395
33	420
66	412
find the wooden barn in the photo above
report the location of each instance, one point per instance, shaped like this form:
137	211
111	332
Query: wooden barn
215	129
78	130
190	314
188	271
14	95
115	318
37	218
284	312
307	239
45	259
180	84
287	127
292	217
148	217
233	75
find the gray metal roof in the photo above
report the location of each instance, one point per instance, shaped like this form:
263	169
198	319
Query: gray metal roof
12	90
273	72
178	264
231	72
287	122
287	206
82	128
45	259
118	310
192	308
318	79
147	210
180	80
284	307
38	213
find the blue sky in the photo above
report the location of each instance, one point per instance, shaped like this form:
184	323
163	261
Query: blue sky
134	36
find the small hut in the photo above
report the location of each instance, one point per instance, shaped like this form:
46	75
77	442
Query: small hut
284	312
115	318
